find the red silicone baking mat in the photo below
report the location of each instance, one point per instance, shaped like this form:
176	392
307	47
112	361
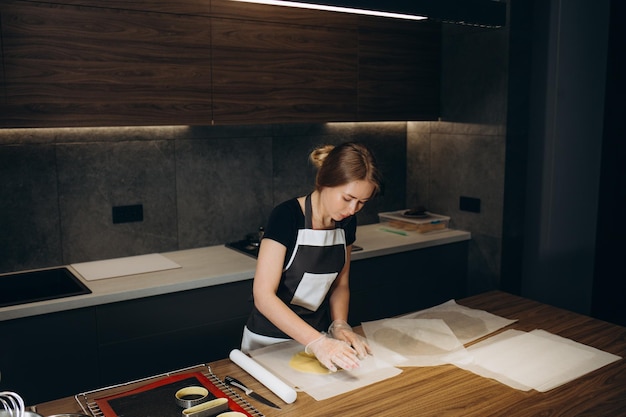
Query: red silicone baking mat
156	396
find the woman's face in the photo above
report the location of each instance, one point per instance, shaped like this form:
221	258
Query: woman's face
345	200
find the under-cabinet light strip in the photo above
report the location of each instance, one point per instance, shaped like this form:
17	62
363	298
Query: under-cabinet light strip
335	9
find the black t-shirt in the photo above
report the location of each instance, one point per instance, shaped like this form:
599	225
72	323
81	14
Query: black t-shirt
287	218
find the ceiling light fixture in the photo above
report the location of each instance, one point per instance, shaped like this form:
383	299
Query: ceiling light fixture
486	13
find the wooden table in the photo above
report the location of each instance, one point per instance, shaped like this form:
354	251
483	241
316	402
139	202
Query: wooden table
449	391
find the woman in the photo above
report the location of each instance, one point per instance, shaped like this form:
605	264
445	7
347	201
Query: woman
301	279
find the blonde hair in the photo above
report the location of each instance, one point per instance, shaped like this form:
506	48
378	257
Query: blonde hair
341	164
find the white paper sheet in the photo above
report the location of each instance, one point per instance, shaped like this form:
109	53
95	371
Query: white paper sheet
466	323
276	359
414	342
536	360
120	267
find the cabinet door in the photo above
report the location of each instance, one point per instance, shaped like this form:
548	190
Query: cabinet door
149	336
277	64
88	66
399	70
387	286
51	356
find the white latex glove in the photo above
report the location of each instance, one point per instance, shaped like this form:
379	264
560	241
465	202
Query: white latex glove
341	330
332	353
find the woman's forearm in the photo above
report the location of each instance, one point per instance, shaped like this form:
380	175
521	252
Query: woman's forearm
339	303
340	297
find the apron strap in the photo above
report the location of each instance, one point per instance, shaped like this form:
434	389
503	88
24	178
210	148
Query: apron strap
308	213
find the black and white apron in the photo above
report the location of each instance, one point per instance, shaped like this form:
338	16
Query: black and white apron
317	259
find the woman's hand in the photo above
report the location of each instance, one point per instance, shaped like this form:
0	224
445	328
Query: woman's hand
332	353
341	330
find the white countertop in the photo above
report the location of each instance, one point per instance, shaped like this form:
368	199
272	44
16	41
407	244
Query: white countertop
376	241
214	265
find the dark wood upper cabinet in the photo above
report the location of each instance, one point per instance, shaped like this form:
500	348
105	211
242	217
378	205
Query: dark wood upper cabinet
201	62
87	66
399	70
189	7
266	71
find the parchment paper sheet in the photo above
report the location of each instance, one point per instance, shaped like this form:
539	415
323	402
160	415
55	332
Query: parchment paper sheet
434	336
414	342
276	359
467	324
536	360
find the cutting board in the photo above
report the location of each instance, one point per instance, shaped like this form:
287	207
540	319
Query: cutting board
120	267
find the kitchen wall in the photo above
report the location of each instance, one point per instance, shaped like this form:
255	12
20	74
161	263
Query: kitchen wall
464	153
449	160
199	186
208	185
204	186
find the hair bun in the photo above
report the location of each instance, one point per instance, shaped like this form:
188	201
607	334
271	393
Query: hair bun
319	154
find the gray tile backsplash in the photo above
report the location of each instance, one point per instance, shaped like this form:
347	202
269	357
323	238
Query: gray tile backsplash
30	228
205	186
224	188
198	186
449	160
93	177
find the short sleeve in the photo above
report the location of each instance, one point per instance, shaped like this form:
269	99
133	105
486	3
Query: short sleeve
283	223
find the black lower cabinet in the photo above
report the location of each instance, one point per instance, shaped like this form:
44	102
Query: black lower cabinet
153	335
56	355
49	356
400	283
